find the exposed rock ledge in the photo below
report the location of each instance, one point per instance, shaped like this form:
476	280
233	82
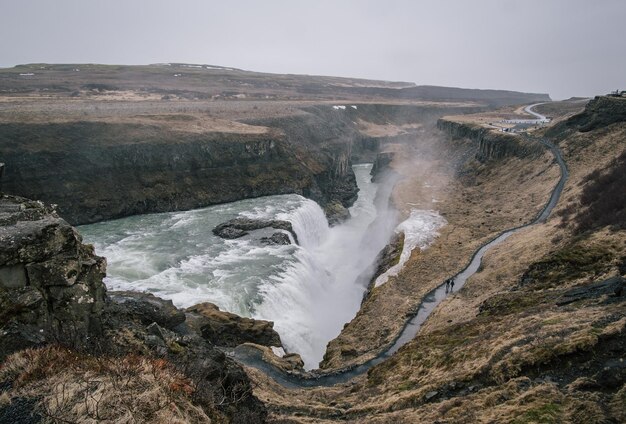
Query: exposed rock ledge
386	258
51	289
241	226
491	144
226	329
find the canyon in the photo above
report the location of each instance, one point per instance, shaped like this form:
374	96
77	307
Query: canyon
536	334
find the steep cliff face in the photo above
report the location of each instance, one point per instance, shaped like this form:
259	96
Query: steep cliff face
491	145
53	298
51	285
96	171
322	140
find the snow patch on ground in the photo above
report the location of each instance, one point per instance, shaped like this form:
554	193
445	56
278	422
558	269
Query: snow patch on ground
420	230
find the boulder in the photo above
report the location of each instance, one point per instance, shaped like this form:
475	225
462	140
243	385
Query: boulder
336	213
230	330
612	287
241	226
276	239
146	307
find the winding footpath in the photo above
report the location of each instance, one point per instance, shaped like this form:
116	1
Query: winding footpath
253	357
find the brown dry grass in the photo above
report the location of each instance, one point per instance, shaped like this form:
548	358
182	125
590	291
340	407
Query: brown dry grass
82	389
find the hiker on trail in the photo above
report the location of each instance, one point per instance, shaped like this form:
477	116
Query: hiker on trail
451	284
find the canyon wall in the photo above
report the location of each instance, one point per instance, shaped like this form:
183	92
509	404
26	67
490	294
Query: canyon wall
96	171
491	144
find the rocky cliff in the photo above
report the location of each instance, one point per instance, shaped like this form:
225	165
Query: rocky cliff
50	283
96	171
106	168
491	144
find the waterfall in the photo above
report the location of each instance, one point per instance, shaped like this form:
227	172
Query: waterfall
320	291
309	223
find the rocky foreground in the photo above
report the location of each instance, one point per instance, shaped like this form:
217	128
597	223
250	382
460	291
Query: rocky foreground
71	351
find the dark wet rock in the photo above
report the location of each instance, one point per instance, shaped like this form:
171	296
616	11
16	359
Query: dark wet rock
276	239
156	330
386	258
613	287
225	329
145	307
240	226
613	374
229	232
51	285
381	164
336	213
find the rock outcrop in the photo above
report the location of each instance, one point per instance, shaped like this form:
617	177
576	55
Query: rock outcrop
51	285
225	329
336	213
96	171
492	145
381	164
145	307
241	226
276	239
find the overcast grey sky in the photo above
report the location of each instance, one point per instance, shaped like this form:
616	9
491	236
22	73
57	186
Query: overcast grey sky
562	47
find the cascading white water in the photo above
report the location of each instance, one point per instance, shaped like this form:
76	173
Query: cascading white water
311	300
310	291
